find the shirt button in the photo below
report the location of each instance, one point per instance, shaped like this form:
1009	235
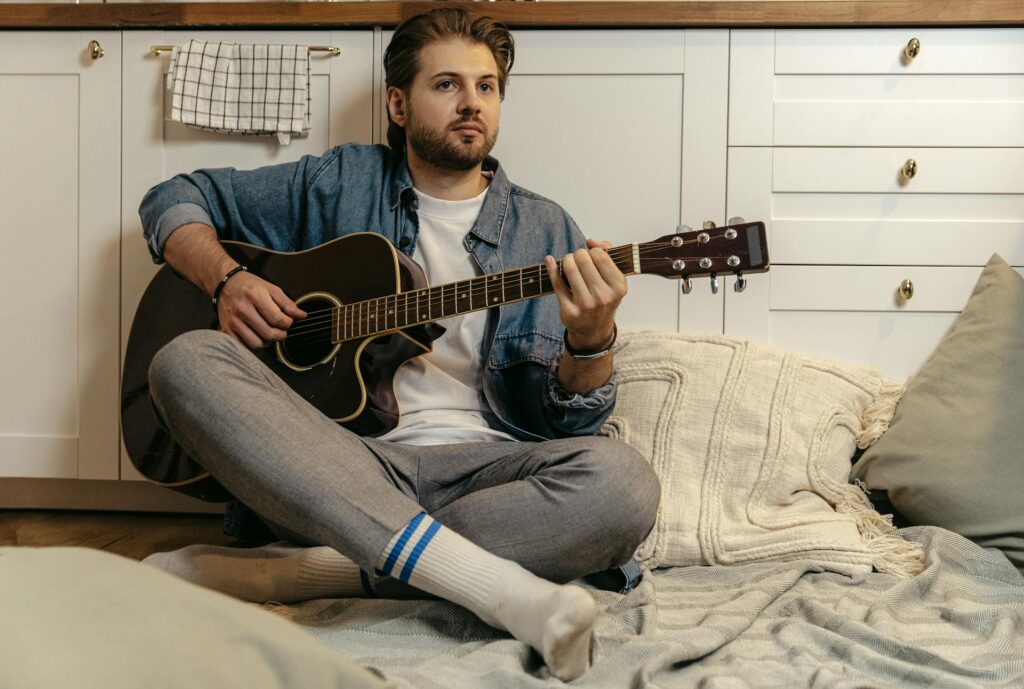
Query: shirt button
404	242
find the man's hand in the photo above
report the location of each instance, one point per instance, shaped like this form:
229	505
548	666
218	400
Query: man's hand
255	311
595	287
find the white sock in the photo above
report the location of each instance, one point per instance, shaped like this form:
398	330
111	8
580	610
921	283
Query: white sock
556	620
281	571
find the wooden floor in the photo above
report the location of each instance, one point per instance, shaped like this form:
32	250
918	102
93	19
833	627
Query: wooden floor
132	534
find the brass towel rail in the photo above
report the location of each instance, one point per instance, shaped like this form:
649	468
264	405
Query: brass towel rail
157	49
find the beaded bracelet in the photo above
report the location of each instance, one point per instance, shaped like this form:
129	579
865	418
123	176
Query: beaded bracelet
224	281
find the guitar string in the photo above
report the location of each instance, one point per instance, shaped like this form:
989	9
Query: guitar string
355	318
405	299
309	327
623	252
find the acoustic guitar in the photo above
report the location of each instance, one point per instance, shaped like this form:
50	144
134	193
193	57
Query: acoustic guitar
343	356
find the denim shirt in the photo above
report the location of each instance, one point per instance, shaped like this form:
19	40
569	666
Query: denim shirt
360	188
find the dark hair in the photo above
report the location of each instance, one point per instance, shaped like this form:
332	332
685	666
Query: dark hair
401	59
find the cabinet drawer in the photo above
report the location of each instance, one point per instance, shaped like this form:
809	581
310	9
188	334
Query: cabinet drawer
871	288
828	240
866	170
911	110
882	51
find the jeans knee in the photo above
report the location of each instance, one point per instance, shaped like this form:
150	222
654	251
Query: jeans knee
632	494
641	495
180	360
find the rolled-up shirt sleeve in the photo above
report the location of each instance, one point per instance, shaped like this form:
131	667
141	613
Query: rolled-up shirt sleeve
171	219
574	413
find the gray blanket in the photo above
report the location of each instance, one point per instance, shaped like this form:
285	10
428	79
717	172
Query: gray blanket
958	624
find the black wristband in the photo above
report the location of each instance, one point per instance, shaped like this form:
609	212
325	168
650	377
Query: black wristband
589	353
224	281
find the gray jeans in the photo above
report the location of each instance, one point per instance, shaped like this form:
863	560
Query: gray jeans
561	508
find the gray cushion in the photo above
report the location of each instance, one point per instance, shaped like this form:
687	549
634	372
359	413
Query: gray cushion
953	456
77	617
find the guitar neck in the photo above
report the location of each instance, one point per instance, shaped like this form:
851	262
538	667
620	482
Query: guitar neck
405	309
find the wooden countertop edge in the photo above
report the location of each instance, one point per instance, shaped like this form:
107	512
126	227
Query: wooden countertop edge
579	15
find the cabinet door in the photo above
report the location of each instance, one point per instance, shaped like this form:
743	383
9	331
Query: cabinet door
626	130
157	149
59	227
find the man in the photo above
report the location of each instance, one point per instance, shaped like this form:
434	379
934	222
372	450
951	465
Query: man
493	486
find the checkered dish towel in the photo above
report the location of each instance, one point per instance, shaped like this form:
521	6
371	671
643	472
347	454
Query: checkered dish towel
241	88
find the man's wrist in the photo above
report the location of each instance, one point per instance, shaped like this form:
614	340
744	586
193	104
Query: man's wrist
590	343
596	352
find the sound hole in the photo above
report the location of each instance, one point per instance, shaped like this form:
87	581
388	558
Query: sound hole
309	339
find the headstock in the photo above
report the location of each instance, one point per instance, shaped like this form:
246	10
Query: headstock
740	247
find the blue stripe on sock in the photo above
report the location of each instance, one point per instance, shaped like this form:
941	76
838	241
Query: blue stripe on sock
414	556
365	581
402	540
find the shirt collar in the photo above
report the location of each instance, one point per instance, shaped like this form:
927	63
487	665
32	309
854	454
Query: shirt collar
491	220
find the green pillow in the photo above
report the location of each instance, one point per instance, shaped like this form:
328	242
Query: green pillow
954	452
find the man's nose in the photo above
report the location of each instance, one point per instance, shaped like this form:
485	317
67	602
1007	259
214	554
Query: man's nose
469	102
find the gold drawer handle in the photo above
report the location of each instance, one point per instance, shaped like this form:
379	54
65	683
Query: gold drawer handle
909	169
912	49
95	50
907	289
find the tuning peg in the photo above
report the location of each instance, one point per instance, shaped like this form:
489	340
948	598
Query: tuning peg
740	284
714	283
685	285
709	224
736	221
681	229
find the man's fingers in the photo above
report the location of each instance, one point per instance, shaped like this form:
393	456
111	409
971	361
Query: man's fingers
561	291
252	318
287	305
610	272
576	282
271	312
591	275
247	336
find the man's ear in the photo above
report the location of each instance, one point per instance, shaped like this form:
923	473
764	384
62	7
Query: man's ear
397	106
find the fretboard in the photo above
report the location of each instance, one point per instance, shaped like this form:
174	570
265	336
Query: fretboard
406	309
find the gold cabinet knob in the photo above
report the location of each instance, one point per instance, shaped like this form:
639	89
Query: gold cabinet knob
909	169
907	289
912	48
95	50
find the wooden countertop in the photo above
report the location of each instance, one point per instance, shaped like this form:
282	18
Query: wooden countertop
543	14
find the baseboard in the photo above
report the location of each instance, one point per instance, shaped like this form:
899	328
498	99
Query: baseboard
72	494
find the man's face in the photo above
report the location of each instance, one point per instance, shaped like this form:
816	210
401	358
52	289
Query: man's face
453	106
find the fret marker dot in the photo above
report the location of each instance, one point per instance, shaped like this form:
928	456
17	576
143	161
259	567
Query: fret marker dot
495	299
423	316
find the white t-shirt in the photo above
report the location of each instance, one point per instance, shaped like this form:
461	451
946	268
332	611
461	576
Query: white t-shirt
440	393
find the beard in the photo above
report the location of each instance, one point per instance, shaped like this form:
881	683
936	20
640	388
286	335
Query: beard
434	146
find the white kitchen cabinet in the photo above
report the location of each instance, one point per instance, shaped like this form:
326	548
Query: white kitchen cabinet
156	149
875	158
60	181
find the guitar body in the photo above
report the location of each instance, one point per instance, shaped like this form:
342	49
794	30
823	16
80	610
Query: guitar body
350	382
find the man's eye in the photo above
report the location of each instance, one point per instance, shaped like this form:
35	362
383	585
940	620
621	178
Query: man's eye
445	84
487	87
